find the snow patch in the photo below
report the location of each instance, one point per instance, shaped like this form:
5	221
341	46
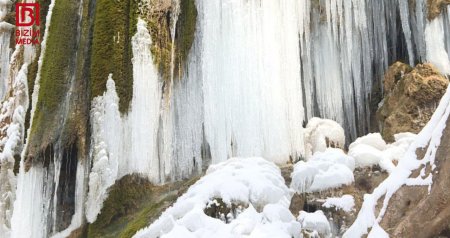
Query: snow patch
329	169
372	150
252	181
316	221
321	134
346	203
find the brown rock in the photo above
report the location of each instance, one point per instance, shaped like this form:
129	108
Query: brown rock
394	74
411	96
435	7
413	212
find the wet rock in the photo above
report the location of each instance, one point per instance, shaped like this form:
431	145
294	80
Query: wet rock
217	208
411	96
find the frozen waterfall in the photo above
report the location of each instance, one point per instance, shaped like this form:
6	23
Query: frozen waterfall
257	71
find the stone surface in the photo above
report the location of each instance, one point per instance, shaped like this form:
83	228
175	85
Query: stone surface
435	7
413	212
411	96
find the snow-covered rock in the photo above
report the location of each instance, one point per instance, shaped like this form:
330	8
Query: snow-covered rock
373	139
321	134
372	150
325	170
252	181
316	221
346	203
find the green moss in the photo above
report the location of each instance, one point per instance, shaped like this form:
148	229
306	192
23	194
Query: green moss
185	34
56	68
133	203
122	200
158	25
144	217
33	67
114	25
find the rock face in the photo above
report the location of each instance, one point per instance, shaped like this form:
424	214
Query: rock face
435	7
415	212
411	96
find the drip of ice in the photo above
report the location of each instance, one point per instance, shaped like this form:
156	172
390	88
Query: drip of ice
404	16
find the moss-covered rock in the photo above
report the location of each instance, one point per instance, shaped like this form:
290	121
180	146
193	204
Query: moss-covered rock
185	34
55	75
133	203
114	25
160	20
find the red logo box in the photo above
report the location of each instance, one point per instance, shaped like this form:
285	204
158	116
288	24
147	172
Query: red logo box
27	14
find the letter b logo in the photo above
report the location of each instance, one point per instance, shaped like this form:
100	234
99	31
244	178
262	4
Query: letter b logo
27	14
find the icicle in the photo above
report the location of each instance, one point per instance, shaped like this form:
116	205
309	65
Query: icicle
404	16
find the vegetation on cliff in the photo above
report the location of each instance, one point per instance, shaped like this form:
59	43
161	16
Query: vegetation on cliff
185	34
160	23
114	25
56	70
132	204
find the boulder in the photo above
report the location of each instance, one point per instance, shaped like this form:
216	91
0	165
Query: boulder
411	96
413	211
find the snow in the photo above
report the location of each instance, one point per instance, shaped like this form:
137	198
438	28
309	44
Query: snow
321	134
429	138
316	221
346	203
377	232
252	181
325	170
373	139
372	150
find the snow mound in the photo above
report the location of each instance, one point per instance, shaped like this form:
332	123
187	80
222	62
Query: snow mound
372	150
252	181
315	222
346	203
321	134
373	139
325	170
